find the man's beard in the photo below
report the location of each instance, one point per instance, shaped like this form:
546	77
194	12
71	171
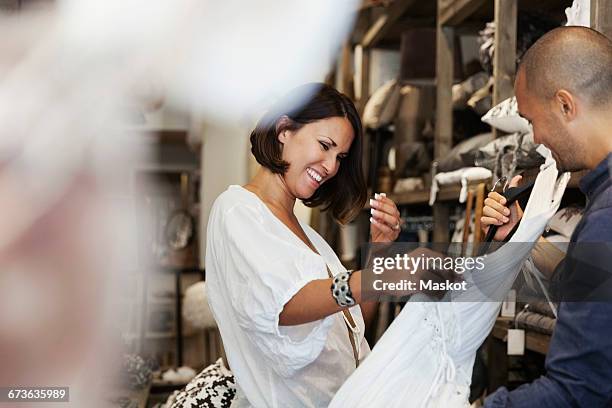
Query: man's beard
567	155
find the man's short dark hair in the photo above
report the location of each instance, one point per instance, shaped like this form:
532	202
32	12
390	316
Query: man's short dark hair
345	194
578	59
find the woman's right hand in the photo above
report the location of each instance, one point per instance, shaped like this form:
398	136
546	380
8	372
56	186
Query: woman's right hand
496	213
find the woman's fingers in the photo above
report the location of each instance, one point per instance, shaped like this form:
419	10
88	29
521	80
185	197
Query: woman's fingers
384	218
382	227
385	205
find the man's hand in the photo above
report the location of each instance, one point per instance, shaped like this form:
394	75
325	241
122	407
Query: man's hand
496	213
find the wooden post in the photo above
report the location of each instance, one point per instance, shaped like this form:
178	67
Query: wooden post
346	71
601	16
504	60
441	221
467	223
10	5
365	78
497	363
444	114
444	83
480	196
363	99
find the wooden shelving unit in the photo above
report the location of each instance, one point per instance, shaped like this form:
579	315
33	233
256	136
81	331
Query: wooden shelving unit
452	17
496	346
534	341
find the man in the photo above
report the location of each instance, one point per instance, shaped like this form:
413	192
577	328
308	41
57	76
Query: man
564	89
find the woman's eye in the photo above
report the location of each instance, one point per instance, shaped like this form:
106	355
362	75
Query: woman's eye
324	146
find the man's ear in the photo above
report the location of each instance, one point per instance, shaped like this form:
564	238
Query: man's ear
283	128
566	104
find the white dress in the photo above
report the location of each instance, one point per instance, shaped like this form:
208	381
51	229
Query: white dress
425	357
254	265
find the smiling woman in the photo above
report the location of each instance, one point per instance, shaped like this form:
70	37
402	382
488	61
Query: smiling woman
290	340
335	129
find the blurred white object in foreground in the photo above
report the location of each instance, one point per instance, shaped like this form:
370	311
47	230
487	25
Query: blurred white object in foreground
66	75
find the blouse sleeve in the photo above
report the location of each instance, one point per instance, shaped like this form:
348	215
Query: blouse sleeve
263	272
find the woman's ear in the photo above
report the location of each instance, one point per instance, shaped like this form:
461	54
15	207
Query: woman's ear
283	128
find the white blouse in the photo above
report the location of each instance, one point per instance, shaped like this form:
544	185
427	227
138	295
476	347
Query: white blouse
254	265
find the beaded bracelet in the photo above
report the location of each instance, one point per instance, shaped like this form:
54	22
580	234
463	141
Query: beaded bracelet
341	291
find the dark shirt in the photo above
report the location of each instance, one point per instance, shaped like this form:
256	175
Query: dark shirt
579	359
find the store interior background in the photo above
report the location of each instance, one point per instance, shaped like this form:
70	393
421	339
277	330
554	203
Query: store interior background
426	47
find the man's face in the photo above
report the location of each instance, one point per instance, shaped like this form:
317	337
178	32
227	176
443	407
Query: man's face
548	129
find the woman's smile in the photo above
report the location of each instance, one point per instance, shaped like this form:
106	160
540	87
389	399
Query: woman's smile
314	176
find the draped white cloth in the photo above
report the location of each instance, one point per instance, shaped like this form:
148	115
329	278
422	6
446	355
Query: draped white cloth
425	357
462	176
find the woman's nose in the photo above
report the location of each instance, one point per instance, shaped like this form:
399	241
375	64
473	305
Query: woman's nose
330	163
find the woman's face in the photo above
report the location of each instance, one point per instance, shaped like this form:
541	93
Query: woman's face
315	153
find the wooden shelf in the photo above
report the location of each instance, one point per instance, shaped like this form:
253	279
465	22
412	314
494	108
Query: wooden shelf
455	12
451	193
387	24
465	12
138	397
447	193
534	341
576	176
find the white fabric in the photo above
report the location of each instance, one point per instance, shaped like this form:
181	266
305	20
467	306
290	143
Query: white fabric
565	221
561	242
579	14
452	177
196	309
504	116
463	91
382	105
254	265
425	358
408	184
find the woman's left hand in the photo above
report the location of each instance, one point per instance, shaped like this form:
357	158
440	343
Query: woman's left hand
385	220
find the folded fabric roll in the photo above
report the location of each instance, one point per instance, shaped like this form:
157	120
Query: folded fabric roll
408	184
464	90
196	309
579	14
506	154
565	220
458	176
382	105
536	322
464	153
542	308
505	116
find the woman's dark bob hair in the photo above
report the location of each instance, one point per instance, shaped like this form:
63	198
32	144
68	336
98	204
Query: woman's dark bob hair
345	194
